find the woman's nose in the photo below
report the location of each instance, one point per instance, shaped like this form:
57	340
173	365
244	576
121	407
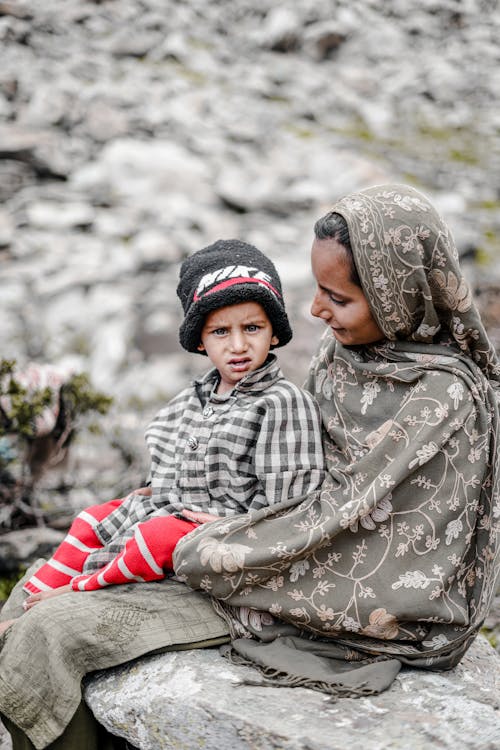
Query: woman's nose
317	308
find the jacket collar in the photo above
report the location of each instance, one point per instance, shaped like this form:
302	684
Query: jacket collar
255	382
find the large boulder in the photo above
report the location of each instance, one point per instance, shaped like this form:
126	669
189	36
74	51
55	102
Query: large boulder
191	699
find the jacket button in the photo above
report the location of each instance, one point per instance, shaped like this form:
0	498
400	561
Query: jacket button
192	443
208	411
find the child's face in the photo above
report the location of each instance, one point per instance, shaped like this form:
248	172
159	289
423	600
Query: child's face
237	339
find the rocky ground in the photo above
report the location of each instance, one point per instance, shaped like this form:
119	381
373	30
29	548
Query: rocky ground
133	132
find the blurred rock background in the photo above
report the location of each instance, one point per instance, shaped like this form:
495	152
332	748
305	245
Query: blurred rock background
133	132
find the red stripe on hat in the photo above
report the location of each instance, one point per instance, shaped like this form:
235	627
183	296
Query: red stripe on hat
232	282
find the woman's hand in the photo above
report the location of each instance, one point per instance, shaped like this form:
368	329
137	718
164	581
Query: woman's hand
197	517
143	491
42	595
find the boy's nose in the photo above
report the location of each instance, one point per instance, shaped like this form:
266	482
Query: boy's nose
238	342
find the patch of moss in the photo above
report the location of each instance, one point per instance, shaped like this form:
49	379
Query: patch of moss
8	582
421	142
277	98
300	132
202	44
81	345
489	205
193	76
358	130
435	133
461	155
482	257
491	636
411	179
491	246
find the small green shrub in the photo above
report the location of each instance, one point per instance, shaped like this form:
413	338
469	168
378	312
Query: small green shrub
26	451
18	418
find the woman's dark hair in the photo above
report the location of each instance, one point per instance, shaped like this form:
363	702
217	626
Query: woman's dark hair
333	226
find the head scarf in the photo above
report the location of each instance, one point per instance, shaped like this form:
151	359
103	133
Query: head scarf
397	554
409	270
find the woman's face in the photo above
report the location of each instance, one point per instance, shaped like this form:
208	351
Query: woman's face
338	300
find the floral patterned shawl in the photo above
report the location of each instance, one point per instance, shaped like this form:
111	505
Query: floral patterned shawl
398	553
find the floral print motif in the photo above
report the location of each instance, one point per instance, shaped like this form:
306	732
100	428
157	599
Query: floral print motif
399	551
370	391
382	625
456	392
379	513
220	556
375	437
412	579
450	292
402	247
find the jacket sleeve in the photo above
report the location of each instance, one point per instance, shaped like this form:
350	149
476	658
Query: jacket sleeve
289	460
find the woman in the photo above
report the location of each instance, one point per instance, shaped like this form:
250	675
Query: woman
397	555
394	559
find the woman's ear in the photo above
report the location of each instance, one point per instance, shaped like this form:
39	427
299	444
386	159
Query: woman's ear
275	341
200	347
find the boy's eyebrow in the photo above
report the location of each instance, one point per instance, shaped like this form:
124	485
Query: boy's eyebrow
249	321
216	325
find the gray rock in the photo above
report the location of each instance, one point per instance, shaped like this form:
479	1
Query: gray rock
41	150
154	249
162	378
52	215
137	44
22	547
197	699
150	167
281	30
104	121
323	40
6	229
14	175
5	741
174	46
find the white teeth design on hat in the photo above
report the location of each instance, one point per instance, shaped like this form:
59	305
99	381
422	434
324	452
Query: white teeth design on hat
226	273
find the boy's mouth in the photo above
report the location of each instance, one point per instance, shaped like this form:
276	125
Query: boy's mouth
239	364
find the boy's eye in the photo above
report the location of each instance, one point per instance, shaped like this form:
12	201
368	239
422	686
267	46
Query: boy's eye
219	331
252	327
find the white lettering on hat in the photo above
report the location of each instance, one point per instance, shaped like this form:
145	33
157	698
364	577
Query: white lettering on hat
229	272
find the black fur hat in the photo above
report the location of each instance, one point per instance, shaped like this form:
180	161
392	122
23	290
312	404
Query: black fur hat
226	273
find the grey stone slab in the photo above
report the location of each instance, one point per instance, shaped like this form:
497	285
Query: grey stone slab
196	699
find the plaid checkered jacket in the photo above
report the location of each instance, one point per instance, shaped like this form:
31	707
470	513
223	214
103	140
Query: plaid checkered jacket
225	454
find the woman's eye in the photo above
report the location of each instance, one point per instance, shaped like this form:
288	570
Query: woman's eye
336	301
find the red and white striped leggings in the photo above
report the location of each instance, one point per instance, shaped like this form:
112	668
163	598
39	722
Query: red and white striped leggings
146	556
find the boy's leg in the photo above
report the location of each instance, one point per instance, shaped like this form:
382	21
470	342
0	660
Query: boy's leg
145	557
82	733
69	558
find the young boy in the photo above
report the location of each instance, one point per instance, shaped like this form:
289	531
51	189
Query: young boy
240	438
